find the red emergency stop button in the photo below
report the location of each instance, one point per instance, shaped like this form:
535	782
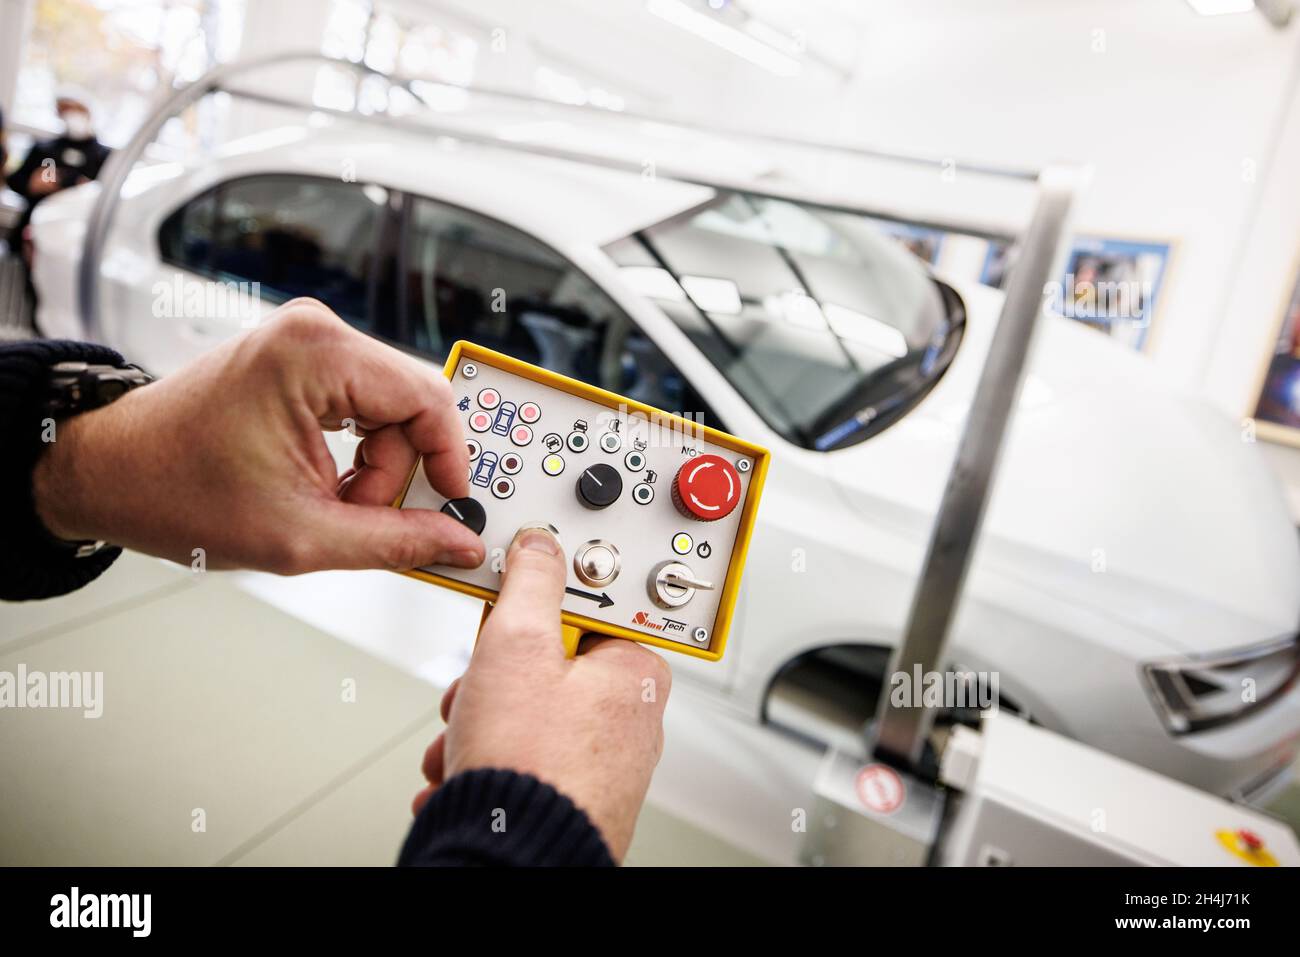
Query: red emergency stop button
1249	840
706	488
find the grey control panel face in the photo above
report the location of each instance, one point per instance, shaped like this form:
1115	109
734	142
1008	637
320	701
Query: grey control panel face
648	514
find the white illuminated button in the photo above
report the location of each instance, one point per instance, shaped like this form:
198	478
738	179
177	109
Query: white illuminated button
489	399
643	494
683	543
635	461
553	464
474	448
530	412
503	487
511	463
480	421
611	442
521	435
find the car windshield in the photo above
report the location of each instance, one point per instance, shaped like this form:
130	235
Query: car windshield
829	329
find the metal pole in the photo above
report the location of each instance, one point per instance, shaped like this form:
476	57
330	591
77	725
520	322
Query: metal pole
122	161
901	733
939	163
819	199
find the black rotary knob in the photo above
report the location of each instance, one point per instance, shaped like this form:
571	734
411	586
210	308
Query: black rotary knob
599	486
468	512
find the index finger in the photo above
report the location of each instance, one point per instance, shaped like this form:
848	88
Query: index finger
391	387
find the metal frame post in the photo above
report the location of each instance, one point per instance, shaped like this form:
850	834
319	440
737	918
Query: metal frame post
901	733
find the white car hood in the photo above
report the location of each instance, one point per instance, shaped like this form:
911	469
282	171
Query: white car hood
1115	492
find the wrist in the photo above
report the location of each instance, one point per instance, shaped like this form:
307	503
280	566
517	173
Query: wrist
63	486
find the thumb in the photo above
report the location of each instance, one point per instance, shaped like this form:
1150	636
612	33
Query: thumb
527	614
344	535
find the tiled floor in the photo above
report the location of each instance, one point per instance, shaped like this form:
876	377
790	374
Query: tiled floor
229	735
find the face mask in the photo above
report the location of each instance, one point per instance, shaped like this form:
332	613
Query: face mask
78	126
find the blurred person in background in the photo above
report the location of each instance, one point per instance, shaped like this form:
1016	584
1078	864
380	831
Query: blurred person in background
68	160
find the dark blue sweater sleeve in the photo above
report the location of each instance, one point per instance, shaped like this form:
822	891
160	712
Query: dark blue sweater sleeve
494	817
32	564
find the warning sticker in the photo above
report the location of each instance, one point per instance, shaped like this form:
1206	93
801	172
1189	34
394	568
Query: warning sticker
880	788
1246	846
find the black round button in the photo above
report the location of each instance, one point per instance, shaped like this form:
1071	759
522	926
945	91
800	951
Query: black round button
468	512
599	486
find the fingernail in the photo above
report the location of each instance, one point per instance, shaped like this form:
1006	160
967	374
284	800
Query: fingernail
540	537
461	557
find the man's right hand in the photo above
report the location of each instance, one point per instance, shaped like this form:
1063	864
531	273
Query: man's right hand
226	459
591	727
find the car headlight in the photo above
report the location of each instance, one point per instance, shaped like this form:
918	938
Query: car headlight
1195	694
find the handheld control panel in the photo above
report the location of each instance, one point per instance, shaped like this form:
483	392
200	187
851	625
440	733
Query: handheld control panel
654	511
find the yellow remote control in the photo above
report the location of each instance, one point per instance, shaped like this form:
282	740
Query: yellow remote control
655	511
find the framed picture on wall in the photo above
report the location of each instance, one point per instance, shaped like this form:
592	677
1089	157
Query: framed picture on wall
998	259
1113	285
923	241
1279	397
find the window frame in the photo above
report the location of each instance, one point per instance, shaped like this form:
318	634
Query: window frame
218	190
954	306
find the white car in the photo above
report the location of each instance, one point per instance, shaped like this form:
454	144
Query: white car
1137	584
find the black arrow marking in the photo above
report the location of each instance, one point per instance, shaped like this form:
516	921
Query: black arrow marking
603	600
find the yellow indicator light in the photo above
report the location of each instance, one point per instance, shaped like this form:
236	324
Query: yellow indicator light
553	465
682	543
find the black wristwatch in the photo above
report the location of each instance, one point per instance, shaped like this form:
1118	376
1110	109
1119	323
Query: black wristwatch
75	387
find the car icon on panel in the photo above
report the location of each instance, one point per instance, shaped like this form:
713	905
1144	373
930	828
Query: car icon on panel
505	417
487	464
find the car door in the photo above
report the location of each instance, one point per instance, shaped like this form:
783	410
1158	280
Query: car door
458	274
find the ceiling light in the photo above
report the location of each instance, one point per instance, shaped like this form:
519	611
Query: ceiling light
730	39
772	37
1213	8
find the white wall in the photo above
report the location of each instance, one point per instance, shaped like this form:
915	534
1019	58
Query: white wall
1178	114
1173	112
15	15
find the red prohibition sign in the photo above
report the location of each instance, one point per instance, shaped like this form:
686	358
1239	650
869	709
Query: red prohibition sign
880	788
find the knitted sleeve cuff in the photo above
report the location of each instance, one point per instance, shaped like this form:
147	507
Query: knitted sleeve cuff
32	564
493	817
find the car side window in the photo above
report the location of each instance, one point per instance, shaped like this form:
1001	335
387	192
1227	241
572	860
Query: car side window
295	235
465	276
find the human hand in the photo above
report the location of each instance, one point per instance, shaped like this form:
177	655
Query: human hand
591	727
227	456
42	182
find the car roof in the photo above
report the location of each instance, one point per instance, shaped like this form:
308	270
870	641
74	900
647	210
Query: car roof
562	201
